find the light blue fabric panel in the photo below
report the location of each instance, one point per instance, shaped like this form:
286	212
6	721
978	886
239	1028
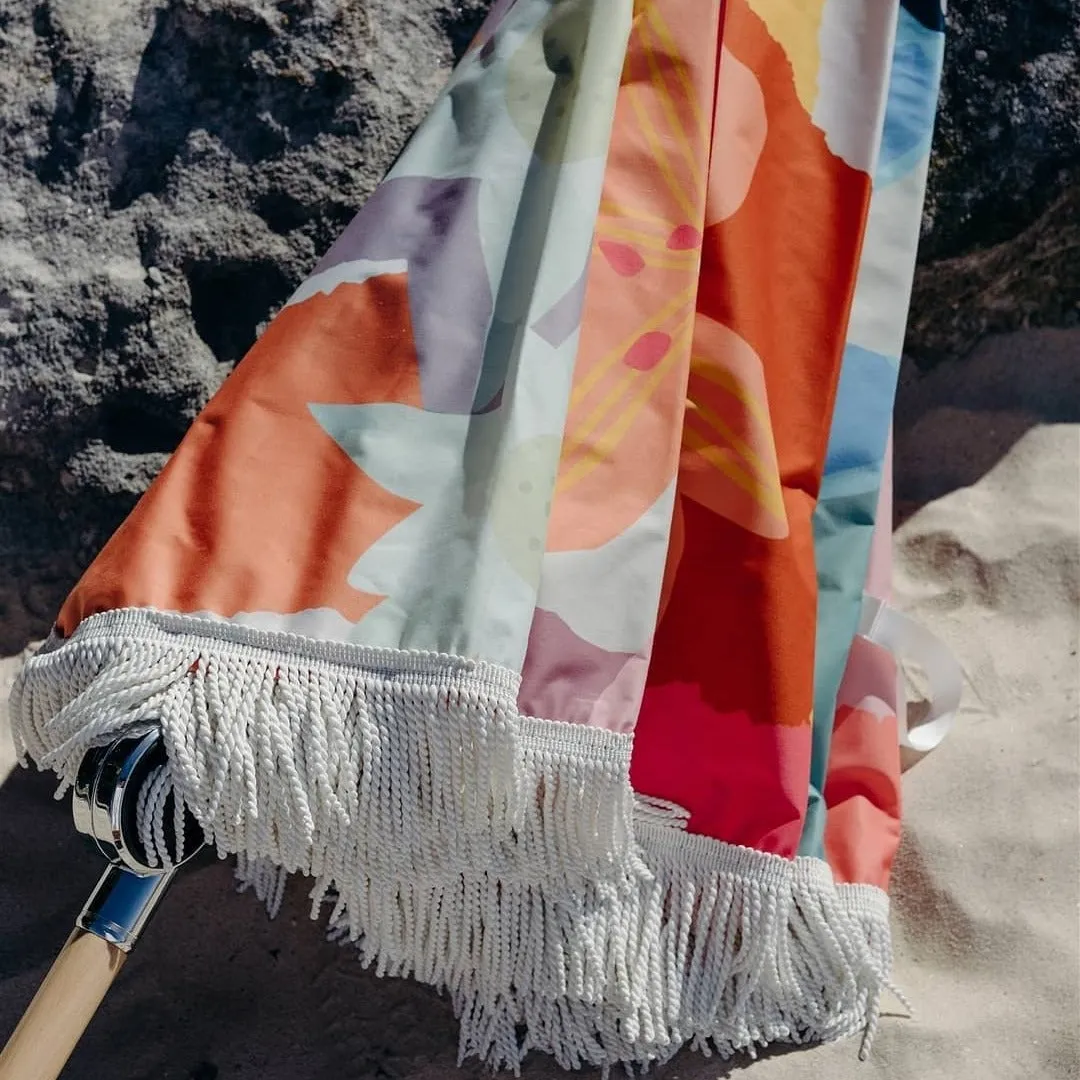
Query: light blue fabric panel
844	517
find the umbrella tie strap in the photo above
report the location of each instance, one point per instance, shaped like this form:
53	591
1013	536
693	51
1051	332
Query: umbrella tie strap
905	639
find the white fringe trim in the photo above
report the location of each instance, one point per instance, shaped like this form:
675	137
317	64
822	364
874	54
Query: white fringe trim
497	857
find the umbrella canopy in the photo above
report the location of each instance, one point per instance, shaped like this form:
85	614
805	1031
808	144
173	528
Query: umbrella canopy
486	589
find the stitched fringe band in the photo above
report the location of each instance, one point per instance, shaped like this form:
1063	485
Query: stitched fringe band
497	857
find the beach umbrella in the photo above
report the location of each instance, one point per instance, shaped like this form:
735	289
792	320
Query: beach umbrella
508	587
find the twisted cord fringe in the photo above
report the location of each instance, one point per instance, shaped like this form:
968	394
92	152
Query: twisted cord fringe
499	858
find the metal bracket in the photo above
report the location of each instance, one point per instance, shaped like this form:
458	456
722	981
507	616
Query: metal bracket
103	807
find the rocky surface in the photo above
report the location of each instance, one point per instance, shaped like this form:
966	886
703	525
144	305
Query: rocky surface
168	173
1008	128
170	169
1030	280
1001	238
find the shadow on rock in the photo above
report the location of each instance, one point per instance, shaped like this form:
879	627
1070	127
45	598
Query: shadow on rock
224	70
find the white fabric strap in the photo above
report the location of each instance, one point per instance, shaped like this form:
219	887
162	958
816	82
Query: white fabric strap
906	639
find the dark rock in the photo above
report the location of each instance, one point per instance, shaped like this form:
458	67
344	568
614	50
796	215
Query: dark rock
1030	280
1001	238
1008	132
168	174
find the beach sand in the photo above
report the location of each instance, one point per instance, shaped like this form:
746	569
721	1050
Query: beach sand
985	896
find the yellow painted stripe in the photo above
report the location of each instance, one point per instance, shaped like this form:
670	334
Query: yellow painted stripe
624	381
615	209
759	465
671	262
713	456
726	381
663	32
672	113
599	369
766	489
601	450
660	154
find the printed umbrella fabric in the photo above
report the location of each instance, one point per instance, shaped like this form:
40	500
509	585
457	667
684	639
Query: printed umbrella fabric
855	463
485	591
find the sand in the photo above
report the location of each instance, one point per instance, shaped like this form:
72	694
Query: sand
987	884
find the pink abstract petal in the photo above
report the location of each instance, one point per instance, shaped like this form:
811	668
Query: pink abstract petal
647	351
624	259
684	238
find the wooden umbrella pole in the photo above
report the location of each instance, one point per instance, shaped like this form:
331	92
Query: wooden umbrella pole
118	910
64	1004
81	975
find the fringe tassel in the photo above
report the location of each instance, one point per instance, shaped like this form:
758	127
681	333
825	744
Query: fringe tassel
724	949
500	858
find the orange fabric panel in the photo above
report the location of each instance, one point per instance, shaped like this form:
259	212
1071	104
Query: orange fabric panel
257	488
738	626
